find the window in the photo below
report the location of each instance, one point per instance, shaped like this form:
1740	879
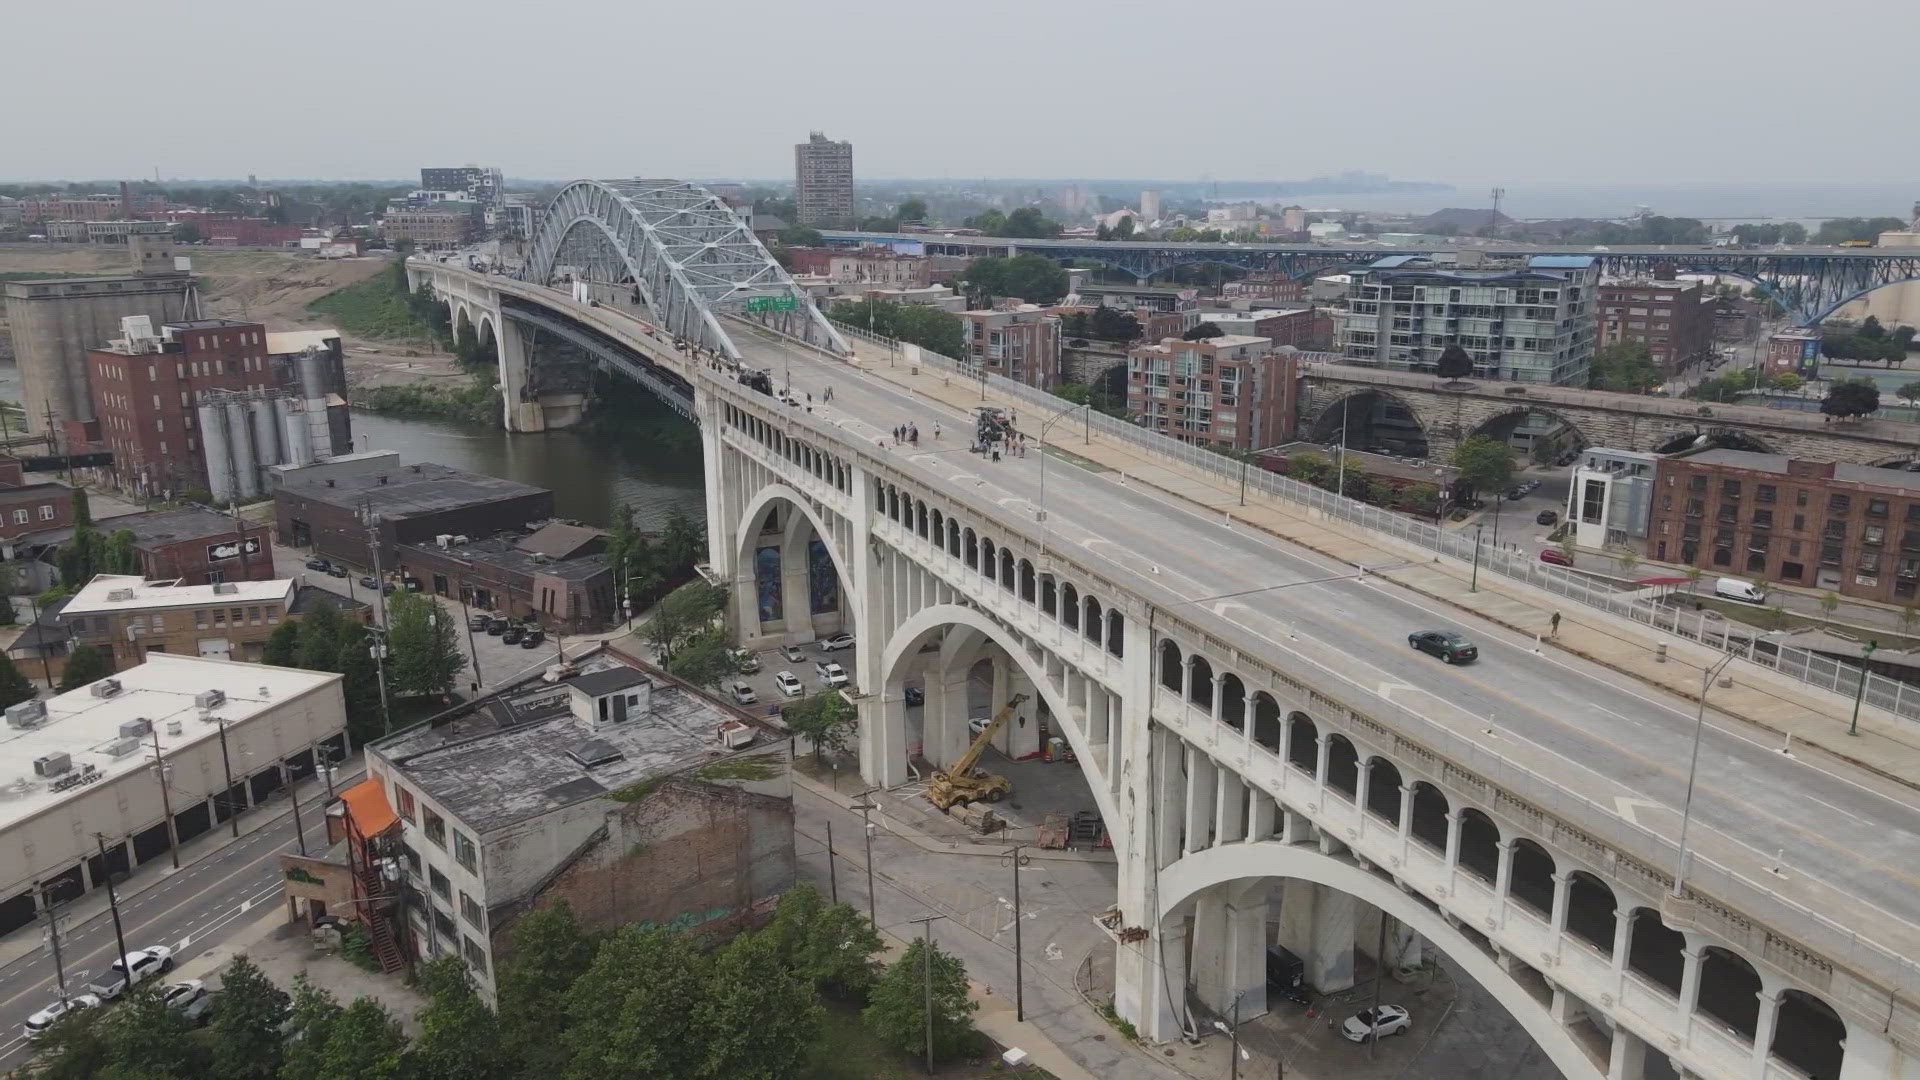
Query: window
473	912
1877	508
1696	483
1764	493
1763	519
436	828
1873	534
1836	529
405	798
443	922
476	955
413	859
21	517
1839	504
465	853
1729	489
441	886
46	512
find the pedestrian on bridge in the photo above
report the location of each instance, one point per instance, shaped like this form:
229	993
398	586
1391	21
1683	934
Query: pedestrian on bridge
1553	625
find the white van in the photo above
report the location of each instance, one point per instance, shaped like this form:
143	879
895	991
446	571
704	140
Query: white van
1744	591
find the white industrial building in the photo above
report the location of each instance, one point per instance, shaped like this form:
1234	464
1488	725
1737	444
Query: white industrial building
83	763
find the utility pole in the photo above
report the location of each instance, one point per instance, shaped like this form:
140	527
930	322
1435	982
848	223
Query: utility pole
1860	693
33	605
926	968
1478	528
299	830
833	876
865	806
166	801
471	647
378	644
113	899
1379	979
226	766
53	938
1019	985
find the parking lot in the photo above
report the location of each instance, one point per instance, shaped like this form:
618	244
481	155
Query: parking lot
1514	524
768	694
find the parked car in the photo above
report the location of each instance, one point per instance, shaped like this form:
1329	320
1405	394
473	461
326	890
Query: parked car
1379	1023
788	685
478	623
367	582
1516	493
1547	517
1568	458
916	697
742	694
1744	591
1555	557
336	571
497	626
793	654
836	643
131	970
321	565
746	660
832	675
513	635
190	998
533	639
1445	644
978	724
39	1022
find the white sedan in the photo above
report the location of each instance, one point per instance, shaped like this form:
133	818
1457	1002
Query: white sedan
39	1022
788	685
190	998
1389	1020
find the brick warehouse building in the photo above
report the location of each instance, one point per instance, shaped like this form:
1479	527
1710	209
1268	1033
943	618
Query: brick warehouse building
1853	529
1231	393
1673	319
415	504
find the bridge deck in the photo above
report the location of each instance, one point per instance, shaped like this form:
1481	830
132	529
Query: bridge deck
1850	843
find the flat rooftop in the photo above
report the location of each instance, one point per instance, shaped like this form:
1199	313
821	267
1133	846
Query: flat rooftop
505	552
170	277
516	755
1777	463
131	592
87	728
406	490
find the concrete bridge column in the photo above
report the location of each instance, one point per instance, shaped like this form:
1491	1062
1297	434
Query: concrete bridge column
1406	949
1692	954
516	364
1202	775
1453	843
1262	814
1628	1057
1023	728
1230	812
796	599
1406	820
883	738
1363	774
1562	900
1317	925
1170	800
1502	876
1229	949
1325	745
1769	1019
1209	949
1622	940
944	716
1137	834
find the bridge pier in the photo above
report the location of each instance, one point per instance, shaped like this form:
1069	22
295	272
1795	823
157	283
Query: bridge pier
516	346
1318	925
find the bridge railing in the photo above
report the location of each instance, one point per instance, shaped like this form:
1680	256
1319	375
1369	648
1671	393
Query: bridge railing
1806	666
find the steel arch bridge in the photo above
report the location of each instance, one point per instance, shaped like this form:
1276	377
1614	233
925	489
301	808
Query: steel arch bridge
686	255
1809	284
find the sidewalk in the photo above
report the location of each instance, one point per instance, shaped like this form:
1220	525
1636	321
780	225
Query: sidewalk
1886	744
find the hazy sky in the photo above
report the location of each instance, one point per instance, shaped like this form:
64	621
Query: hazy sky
1471	91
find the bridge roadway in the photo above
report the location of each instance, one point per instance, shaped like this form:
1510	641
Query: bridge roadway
1846	840
1376	250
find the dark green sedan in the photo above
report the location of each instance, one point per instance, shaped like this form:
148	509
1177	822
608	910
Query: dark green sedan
1445	644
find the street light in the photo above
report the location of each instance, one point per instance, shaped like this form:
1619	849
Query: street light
865	805
1853	727
1479	527
1707	675
1233	1032
1040	512
1016	860
1246	463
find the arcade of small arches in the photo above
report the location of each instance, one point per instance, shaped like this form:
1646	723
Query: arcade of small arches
1707	983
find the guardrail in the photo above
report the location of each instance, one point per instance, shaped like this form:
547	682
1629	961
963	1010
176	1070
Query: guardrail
1806	666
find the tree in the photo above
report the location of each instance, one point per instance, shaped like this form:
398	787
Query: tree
1454	363
897	1009
1033	278
8	582
1693	574
760	1018
312	1015
320	632
423	648
118	556
824	719
74	1047
1310	468
283	645
801	236
682	613
1484	464
989	222
1624	368
360	686
147	1040
1788	381
1112	324
549	952
636	1011
364	1042
85	664
14	687
1909	392
460	1038
705	659
1202	332
1029	222
82	509
1872	330
1829	603
245	1034
1843	230
911	210
1627	560
1850	398
1124	230
831	946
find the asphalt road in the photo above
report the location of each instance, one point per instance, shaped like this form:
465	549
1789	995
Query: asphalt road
191	910
1829	837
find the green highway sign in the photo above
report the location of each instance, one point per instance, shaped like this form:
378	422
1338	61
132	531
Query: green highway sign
772	303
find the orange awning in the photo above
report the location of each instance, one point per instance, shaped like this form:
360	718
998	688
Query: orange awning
367	806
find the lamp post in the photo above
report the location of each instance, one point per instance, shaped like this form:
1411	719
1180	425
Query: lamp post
1016	860
1246	463
926	968
1860	692
1479	527
1040	512
1232	1031
1707	675
865	806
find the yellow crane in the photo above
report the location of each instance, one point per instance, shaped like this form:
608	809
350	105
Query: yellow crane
963	783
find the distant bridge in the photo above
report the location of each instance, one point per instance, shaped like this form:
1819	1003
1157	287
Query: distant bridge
1809	283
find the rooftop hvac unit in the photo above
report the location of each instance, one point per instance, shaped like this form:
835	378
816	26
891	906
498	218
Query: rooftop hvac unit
122	747
105	688
26	714
734	735
136	729
443	539
175	727
458	540
52	764
225	588
119	596
540	558
210	699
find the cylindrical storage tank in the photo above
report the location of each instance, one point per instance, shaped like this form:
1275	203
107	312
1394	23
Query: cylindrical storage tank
299	438
246	475
313	375
219	455
266	434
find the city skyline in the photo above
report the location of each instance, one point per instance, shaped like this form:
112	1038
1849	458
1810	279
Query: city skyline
550	116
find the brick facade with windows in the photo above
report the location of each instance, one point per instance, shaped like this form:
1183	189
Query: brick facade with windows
1015	340
1851	529
145	393
1227	392
1673	319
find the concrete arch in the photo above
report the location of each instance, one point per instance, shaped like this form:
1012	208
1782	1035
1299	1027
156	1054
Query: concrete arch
744	537
1355	409
910	635
1517	415
1180	882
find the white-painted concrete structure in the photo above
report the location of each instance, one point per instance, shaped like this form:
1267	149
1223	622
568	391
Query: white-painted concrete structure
1257	735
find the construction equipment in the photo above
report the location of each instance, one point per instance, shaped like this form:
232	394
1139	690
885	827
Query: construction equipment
964	784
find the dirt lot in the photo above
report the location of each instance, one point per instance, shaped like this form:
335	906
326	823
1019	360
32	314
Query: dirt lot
271	287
